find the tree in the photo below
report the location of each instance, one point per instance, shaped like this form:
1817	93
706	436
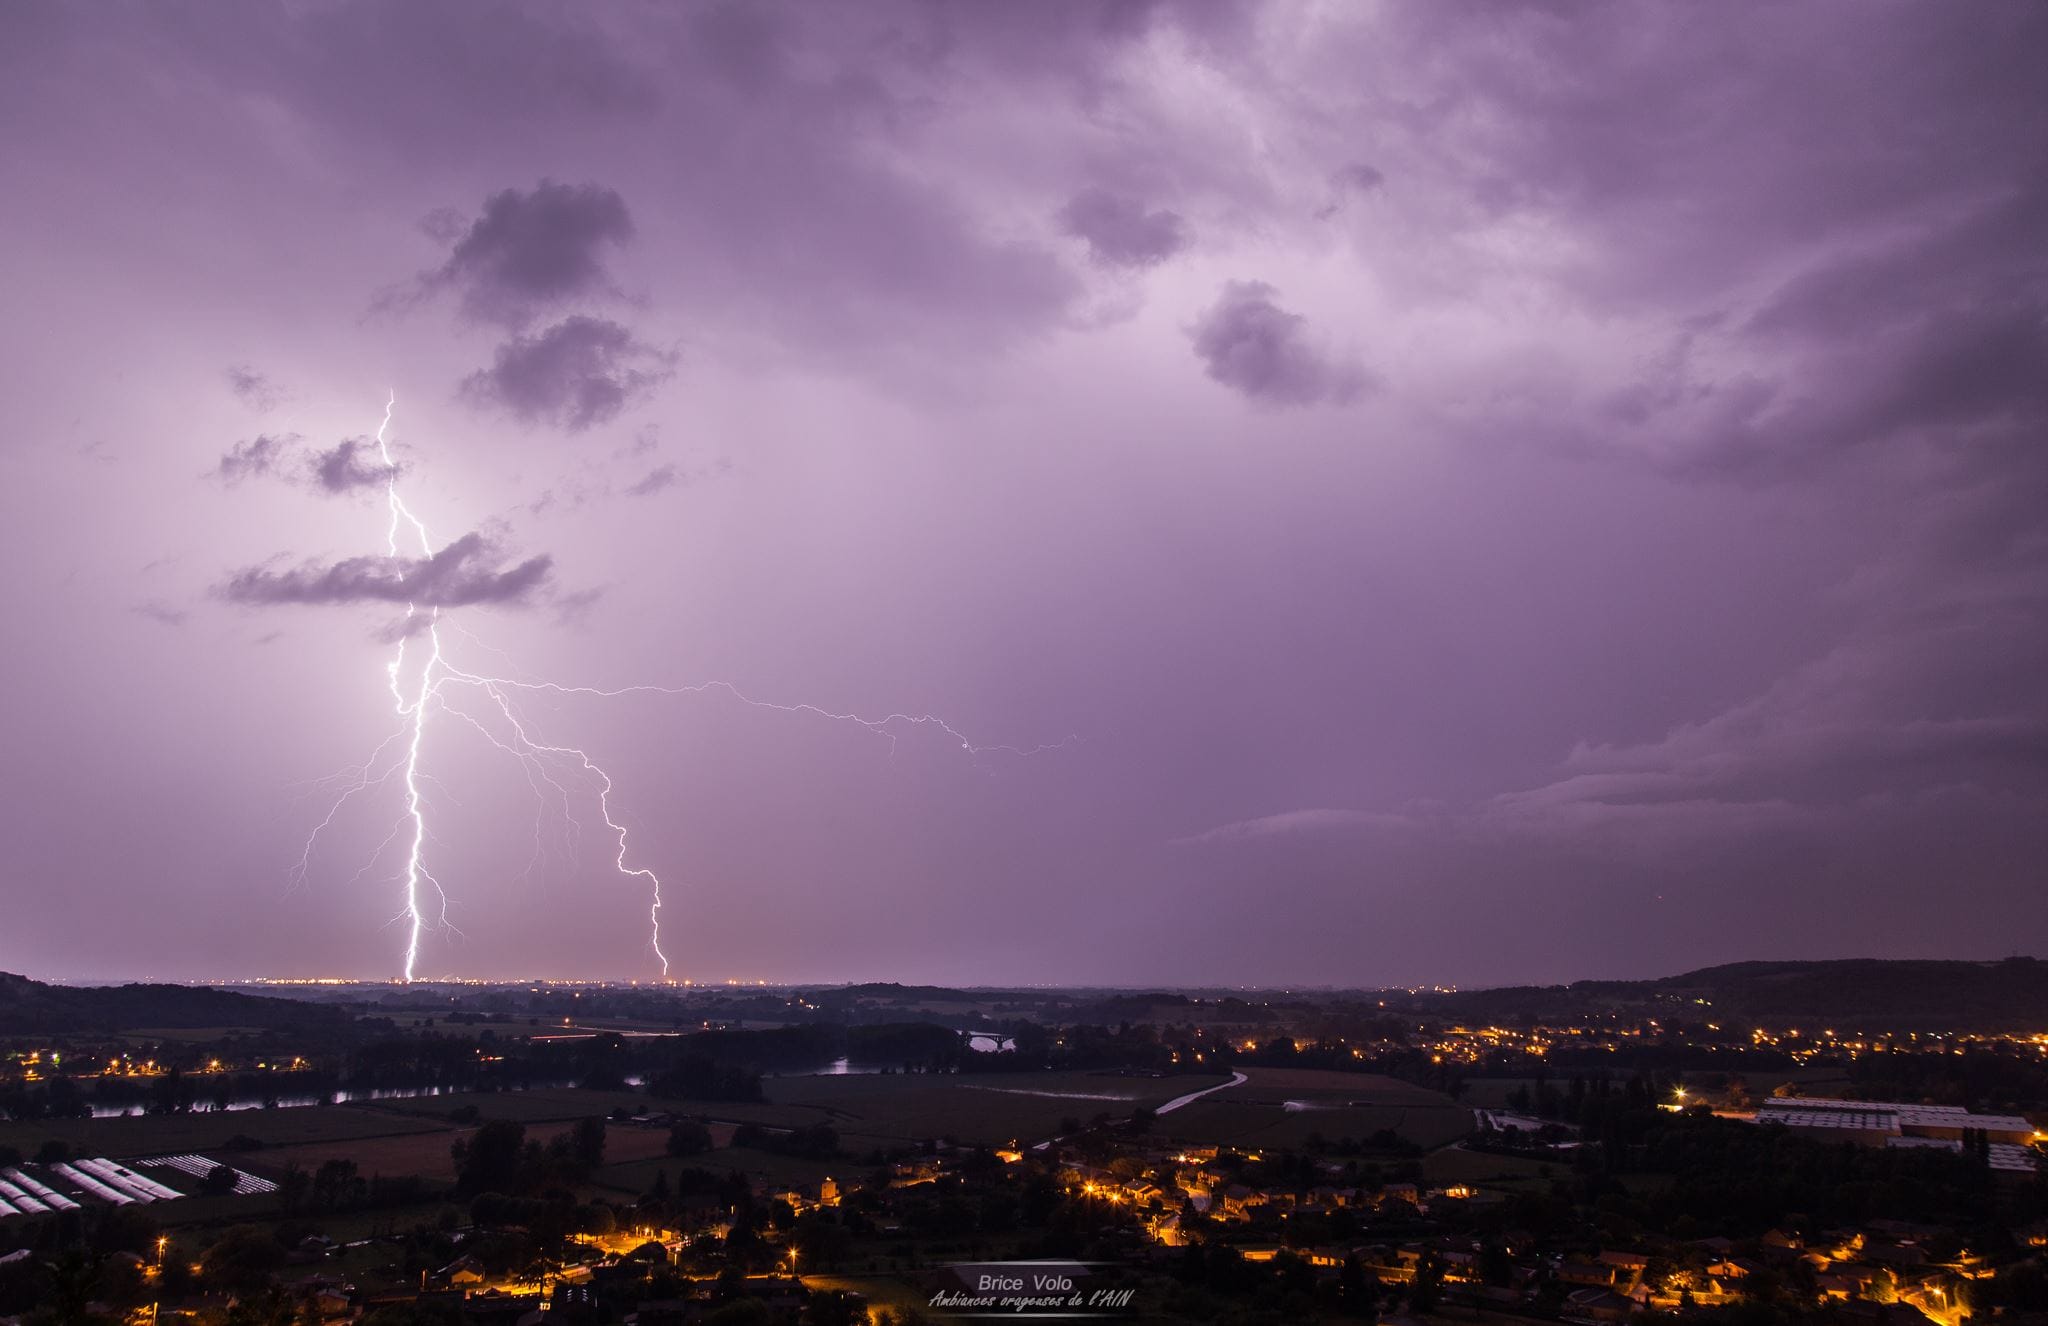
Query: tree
586	1143
335	1184
1429	1280
72	1277
689	1138
220	1181
1358	1291
292	1187
488	1160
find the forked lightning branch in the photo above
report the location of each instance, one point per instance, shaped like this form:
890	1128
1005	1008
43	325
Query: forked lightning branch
420	675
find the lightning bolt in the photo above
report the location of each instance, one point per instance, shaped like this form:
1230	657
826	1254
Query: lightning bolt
414	711
517	737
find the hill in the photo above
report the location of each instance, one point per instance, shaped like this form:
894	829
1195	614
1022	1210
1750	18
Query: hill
2008	994
29	1007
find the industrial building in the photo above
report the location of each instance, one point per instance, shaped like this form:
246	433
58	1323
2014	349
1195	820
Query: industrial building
1901	1124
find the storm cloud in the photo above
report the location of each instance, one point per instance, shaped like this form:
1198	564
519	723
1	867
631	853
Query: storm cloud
1669	587
350	464
1119	230
1250	344
575	375
466	573
533	250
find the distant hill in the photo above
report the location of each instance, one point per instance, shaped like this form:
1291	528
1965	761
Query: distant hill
28	1007
2009	994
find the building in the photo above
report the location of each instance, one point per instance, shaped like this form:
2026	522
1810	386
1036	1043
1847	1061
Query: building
1892	1123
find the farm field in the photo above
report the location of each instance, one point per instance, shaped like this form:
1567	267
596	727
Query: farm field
427	1154
970	1107
1284	1106
160	1134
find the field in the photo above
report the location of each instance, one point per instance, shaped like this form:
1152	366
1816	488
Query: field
162	1134
1283	1106
428	1154
538	1106
637	1176
869	1111
979	1107
1455	1165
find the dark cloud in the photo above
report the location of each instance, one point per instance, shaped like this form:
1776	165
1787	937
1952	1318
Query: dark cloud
254	390
468	571
258	458
577	374
350	464
1249	343
1120	232
532	251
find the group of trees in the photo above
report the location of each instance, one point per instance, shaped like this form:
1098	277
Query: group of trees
499	1158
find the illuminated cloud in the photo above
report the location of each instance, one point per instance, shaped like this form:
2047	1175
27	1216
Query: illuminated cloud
466	573
349	465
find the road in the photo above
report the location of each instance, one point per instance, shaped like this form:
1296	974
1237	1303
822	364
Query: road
1236	1080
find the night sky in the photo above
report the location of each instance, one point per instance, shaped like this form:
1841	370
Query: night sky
1442	492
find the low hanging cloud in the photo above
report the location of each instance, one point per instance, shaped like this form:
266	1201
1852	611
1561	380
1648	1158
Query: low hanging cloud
533	250
351	464
579	373
1249	343
258	458
466	573
1120	232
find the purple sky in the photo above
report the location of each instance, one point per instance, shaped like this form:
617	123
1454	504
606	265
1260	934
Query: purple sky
1499	493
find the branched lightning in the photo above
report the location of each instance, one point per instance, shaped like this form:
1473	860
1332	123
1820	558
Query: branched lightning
516	737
